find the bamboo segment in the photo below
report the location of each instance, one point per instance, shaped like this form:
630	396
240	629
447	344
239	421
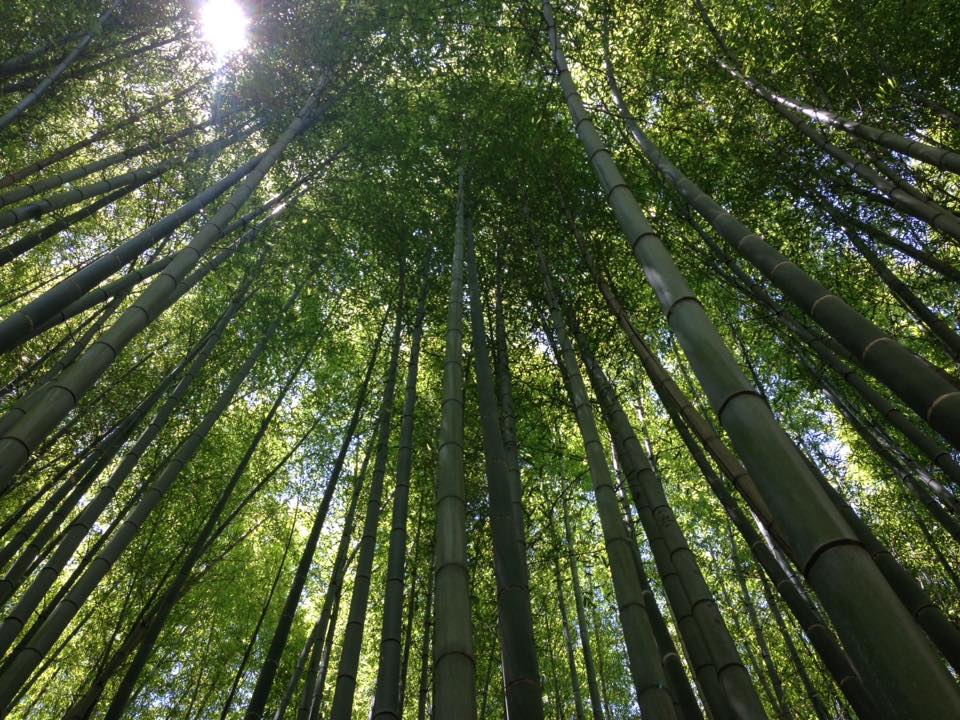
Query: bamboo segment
454	668
910	679
644	657
920	385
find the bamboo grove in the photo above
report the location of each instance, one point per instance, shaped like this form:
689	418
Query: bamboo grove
480	360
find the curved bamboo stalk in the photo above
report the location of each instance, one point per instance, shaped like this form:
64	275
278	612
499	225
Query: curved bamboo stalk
66	391
919	384
830	554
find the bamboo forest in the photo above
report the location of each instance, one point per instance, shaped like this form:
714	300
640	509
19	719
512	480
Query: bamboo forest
551	360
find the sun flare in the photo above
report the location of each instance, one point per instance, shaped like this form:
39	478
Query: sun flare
224	24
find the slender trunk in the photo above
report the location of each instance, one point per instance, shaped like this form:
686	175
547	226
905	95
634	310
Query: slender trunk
387	701
454	667
567	637
62	154
854	224
816	701
28	242
583	626
903	670
48	518
559	704
821	638
938	157
281	634
26	61
776	681
66	198
265	608
411	607
29	601
684	699
521	672
935	215
508	423
644	656
21	192
60	399
115	60
325	659
673	557
346	684
914	305
425	636
310	697
18	327
671	395
829	355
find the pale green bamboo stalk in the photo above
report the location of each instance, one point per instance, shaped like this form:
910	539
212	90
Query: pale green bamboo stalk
644	658
521	668
341	707
66	391
454	667
387	700
900	668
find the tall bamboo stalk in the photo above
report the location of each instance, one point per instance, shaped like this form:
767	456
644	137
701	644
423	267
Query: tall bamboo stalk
902	668
644	657
386	702
454	668
583	629
521	671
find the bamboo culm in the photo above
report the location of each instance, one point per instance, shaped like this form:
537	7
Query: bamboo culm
66	391
387	700
454	666
521	671
910	679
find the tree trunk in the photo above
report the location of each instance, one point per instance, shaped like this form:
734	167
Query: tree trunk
673	556
583	626
454	668
904	672
644	656
521	671
567	637
29	601
387	701
346	684
919	384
